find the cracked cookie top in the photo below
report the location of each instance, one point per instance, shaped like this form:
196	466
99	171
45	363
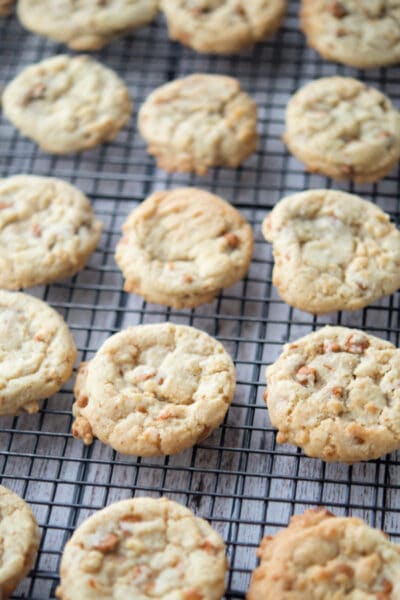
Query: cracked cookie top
85	24
153	390
359	34
180	247
222	26
48	230
340	127
20	538
198	122
320	556
332	251
143	548
336	394
37	352
67	104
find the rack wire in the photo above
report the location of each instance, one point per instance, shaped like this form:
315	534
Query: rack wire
238	478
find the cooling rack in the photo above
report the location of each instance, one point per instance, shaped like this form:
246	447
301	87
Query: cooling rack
238	478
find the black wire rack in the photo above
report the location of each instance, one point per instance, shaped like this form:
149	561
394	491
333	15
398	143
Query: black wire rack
239	478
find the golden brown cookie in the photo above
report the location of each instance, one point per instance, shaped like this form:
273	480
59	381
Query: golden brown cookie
332	251
67	103
360	34
323	557
143	548
336	394
48	230
198	122
37	352
340	127
222	26
85	24
181	246
153	389
20	538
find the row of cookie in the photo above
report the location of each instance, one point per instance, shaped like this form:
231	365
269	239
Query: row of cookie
179	247
333	250
222	27
359	34
159	389
156	548
337	126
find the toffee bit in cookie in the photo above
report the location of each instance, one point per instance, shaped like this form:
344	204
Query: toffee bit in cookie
337	9
232	239
193	595
92	563
331	346
337	391
36	93
356	343
108	544
306	375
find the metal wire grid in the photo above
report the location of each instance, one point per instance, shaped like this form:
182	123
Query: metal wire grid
238	478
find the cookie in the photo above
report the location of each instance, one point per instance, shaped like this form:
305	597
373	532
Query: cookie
153	389
37	352
342	128
198	122
320	556
20	539
359	34
180	247
332	250
222	26
67	104
144	548
84	24
6	7
48	230
336	394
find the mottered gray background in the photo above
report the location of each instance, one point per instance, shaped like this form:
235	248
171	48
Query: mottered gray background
238	478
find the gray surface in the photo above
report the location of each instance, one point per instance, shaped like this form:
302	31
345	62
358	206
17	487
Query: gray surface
238	477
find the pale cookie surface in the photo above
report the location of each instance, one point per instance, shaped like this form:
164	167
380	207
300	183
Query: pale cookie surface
48	230
85	24
359	34
336	394
37	352
143	548
222	26
323	557
67	104
153	390
332	251
340	127
198	122
20	538
6	7
180	247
